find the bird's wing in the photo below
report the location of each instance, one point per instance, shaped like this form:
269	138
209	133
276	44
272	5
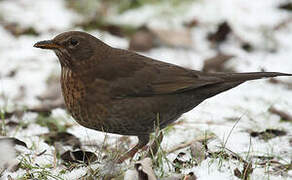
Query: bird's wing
132	75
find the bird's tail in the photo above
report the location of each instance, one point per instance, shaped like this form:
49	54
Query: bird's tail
241	77
231	80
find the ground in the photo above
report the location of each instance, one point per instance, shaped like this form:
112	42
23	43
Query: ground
245	133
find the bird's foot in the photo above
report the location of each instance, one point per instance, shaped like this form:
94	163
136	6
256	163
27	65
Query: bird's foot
130	154
153	147
143	140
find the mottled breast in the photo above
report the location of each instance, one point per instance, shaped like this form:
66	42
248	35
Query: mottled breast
74	92
82	101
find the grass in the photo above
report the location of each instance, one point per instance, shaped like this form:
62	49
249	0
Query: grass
163	166
53	124
3	123
36	171
89	7
3	110
96	13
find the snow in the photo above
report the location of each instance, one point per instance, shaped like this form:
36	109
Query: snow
253	21
43	15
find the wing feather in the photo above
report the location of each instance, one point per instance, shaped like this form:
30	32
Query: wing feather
133	75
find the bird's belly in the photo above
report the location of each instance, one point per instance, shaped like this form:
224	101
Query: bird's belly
130	116
86	113
141	115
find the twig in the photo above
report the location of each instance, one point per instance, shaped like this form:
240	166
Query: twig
236	155
283	115
181	146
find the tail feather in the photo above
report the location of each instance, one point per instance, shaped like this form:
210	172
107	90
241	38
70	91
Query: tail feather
241	77
231	80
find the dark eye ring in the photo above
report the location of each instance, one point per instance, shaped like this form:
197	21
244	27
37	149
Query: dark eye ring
73	42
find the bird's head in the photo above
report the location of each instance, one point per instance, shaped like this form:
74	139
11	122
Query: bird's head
73	48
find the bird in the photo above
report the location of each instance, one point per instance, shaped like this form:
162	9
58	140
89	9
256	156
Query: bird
122	92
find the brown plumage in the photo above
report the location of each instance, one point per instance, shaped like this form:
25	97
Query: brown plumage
119	91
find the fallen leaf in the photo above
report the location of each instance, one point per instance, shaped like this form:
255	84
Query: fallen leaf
7	115
8	159
79	157
173	38
198	152
142	40
146	38
264	158
288	85
11	73
186	144
190	176
13	140
221	33
182	161
268	134
286	6
119	30
283	115
237	173
142	171
12	124
174	177
192	23
247	47
17	30
216	63
63	137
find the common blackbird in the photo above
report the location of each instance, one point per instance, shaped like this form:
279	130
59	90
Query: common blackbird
119	91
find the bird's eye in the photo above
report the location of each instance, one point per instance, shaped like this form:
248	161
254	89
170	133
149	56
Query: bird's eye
73	42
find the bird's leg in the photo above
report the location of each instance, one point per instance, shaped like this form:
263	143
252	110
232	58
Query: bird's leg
154	145
142	141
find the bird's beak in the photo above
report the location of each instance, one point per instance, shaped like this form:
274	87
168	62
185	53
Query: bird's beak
49	44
